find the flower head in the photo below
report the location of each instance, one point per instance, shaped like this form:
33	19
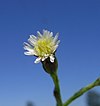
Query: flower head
42	46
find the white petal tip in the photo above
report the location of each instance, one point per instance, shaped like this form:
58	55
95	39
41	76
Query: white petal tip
37	60
52	58
28	53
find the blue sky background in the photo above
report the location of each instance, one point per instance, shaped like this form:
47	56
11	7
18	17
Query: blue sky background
78	23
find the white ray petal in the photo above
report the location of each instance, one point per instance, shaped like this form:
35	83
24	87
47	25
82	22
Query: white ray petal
32	41
26	44
57	42
39	34
28	48
56	38
52	58
33	37
45	32
51	34
54	48
44	58
28	53
37	60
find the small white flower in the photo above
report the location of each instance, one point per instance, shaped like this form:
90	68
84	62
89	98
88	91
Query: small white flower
42	46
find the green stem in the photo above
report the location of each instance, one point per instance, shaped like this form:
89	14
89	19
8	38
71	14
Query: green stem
82	91
57	89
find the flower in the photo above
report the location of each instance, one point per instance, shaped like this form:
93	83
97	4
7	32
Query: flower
43	46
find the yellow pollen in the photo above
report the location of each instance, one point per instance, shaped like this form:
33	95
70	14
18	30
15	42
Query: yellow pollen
44	46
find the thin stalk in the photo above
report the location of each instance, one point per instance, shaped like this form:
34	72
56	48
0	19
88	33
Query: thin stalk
57	94
82	91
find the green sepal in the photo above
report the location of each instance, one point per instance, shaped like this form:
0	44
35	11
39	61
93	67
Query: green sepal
50	67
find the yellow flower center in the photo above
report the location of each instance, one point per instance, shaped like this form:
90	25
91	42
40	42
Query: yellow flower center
44	46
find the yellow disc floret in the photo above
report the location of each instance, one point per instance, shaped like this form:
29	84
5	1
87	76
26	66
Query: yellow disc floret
44	46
